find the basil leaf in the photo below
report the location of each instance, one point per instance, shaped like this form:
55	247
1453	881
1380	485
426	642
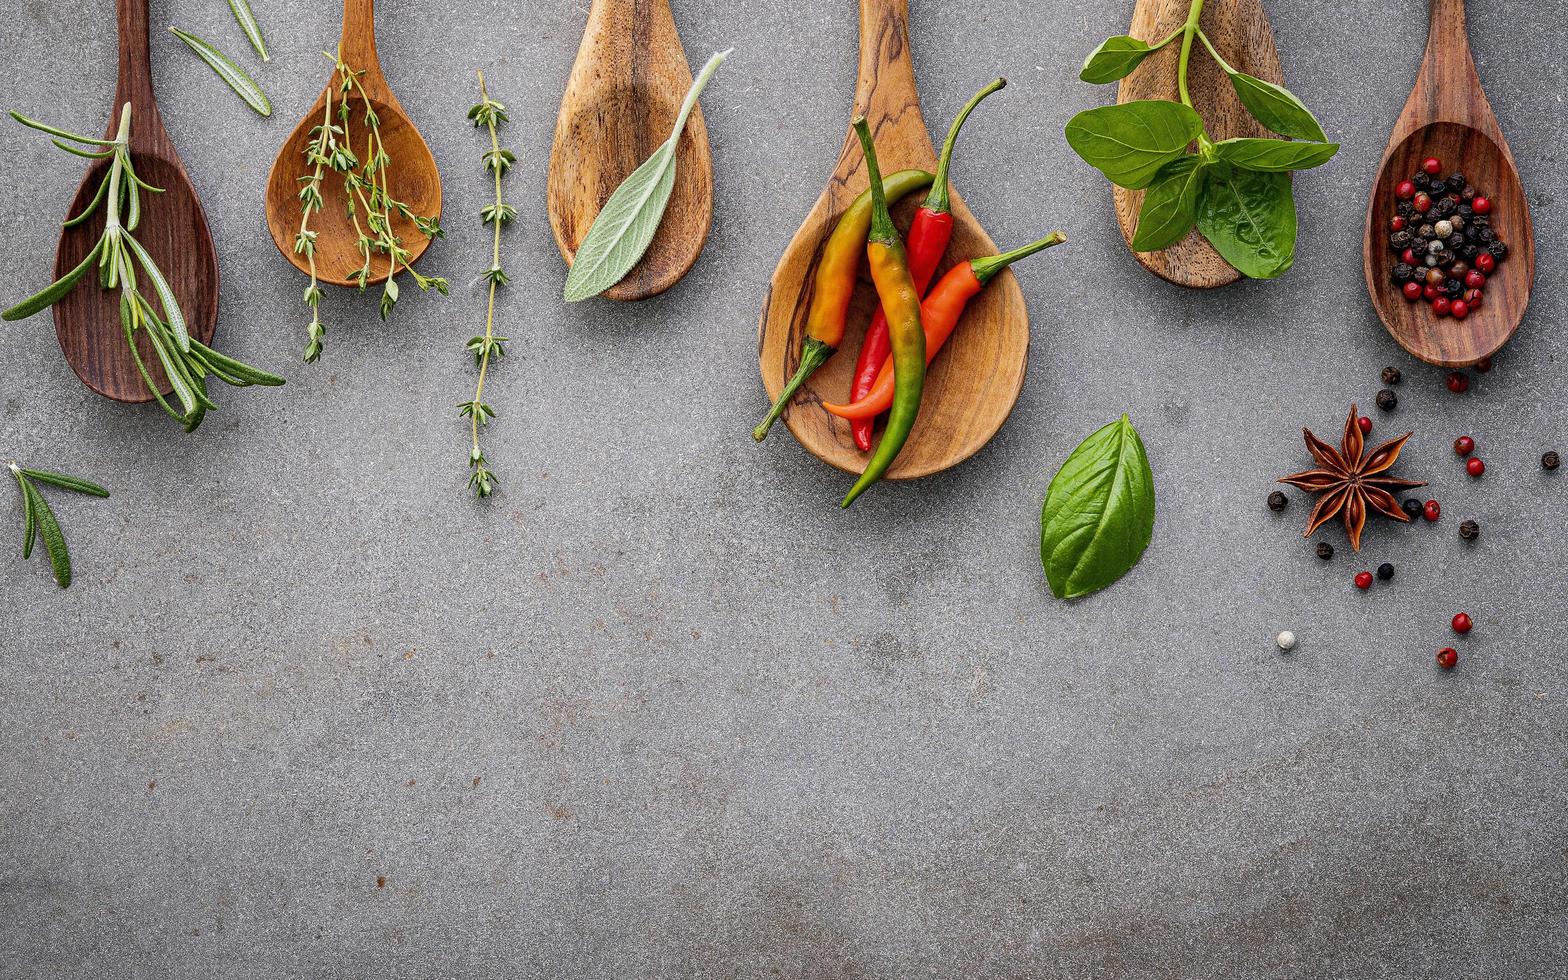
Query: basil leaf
1274	155
625	226
1274	107
1170	205
1099	512
1115	58
1250	219
1129	143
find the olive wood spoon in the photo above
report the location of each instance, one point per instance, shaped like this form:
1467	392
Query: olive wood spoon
412	174
974	382
1447	117
620	104
173	229
1240	32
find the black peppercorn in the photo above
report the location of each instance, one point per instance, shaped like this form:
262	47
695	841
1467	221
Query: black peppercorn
1387	400
1278	501
1422	180
1456	183
1426	231
1487	234
1400	240
1454	288
1499	250
1405	210
1403	273
1469	251
1468	192
1455	240
1469	530
1465	211
1550	461
1325	550
1385	571
1412	507
1391	376
1444	208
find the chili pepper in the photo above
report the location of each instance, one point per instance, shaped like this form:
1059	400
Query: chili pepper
929	233
890	272
940	313
837	272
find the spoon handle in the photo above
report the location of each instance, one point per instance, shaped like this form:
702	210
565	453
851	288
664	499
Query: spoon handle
886	87
358	43
1449	85
135	80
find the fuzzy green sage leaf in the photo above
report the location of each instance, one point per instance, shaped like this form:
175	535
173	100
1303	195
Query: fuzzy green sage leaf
1250	219
247	22
1098	516
1129	143
233	74
625	226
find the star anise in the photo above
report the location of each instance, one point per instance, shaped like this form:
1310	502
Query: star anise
1352	483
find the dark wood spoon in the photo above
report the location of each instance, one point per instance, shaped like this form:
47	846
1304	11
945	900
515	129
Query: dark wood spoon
1447	117
173	229
413	176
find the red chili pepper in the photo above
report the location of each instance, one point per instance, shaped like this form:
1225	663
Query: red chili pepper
925	245
939	315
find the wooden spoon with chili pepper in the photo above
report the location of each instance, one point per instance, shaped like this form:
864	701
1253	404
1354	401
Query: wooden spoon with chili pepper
173	229
1447	117
620	105
412	173
971	389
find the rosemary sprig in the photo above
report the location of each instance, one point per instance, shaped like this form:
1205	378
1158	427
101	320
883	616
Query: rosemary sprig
118	255
38	519
367	200
489	114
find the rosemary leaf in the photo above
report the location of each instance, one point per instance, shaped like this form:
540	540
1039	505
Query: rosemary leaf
247	20
242	84
54	539
52	293
64	482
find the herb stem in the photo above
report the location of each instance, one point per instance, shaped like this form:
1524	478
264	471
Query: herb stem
1188	31
495	263
1225	65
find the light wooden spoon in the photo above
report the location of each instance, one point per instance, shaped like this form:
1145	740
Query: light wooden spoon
620	105
413	177
1240	32
974	382
1448	117
173	229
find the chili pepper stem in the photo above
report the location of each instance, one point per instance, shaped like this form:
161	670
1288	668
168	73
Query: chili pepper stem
882	230
938	200
986	269
813	354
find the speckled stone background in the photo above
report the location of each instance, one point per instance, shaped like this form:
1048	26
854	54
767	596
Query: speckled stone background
660	708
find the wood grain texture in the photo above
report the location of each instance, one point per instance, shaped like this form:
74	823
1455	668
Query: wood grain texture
1240	32
173	229
1449	117
621	102
412	174
975	380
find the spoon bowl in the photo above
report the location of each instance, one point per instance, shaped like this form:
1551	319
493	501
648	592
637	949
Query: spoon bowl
1448	117
622	101
173	229
413	176
974	382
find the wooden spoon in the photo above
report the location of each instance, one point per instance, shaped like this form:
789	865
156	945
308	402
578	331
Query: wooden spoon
1240	32
173	229
1447	116
413	177
974	382
620	105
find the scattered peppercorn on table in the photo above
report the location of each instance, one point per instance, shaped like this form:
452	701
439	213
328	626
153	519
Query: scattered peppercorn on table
657	707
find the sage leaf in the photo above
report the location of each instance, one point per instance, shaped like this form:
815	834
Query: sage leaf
1115	58
1129	143
625	226
1098	516
233	74
1276	108
247	21
1170	205
54	539
1274	155
1250	219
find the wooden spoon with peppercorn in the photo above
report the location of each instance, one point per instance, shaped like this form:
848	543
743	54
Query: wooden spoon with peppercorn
1447	118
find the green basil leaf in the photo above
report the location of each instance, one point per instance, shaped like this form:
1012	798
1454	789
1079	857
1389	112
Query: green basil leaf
1115	58
1250	219
1274	107
1099	512
625	226
1170	205
1129	143
1274	155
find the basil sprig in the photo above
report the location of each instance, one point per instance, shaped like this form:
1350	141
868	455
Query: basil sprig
1236	191
1099	512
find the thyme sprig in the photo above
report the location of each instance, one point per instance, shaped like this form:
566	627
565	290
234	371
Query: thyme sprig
38	519
118	255
367	199
497	161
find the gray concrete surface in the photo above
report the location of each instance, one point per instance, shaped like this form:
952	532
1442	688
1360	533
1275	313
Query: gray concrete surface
660	708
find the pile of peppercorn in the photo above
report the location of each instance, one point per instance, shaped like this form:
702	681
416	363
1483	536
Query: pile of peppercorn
1442	231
